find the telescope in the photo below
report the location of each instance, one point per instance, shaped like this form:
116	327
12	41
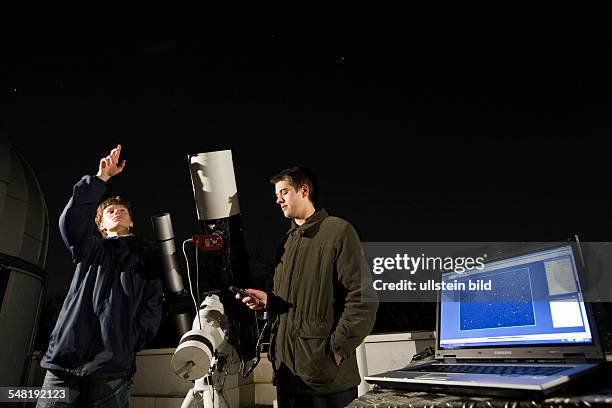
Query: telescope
223	335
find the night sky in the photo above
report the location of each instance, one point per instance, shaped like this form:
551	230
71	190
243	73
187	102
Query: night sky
442	122
509	304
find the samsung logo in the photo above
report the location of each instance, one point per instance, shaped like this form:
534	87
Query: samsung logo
502	352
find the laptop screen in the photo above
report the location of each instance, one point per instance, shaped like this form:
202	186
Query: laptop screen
531	299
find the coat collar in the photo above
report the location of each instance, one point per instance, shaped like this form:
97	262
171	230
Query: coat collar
312	221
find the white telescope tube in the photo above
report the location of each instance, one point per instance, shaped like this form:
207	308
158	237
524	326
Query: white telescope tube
214	185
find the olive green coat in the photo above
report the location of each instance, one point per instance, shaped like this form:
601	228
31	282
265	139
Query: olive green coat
319	275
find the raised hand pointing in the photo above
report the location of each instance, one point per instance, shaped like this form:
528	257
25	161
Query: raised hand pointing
110	165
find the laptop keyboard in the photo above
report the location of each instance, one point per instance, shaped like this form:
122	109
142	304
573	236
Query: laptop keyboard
489	369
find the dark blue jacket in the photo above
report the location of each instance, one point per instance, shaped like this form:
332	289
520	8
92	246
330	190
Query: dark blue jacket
113	306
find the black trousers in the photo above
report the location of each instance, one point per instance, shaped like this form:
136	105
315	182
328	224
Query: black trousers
290	399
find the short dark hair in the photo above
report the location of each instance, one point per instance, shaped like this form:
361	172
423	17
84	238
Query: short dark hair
107	202
298	176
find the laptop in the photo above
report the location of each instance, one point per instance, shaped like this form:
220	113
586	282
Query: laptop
530	334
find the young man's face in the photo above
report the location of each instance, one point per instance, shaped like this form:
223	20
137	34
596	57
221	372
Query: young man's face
293	203
116	220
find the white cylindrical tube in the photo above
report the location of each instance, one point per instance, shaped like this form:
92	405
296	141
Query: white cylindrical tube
214	185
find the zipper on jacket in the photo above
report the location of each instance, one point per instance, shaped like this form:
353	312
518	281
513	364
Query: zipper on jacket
297	246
